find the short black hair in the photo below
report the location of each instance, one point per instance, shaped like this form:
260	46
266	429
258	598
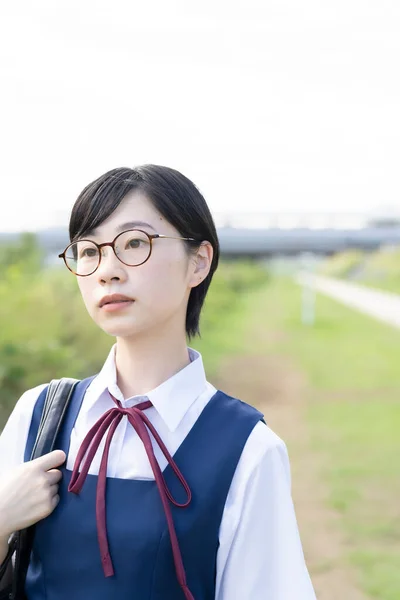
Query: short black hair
173	195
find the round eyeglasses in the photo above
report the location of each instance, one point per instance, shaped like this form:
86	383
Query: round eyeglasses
132	248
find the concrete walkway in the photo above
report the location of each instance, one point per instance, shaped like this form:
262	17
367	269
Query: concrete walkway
384	306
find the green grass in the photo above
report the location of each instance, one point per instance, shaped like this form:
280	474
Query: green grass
387	283
226	312
344	349
380	269
341	264
381	572
352	366
223	338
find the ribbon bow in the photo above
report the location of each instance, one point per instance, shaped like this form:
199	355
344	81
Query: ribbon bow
140	422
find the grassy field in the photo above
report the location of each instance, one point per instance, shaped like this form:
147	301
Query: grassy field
341	264
380	269
351	366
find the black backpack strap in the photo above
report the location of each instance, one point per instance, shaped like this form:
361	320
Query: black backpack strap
59	394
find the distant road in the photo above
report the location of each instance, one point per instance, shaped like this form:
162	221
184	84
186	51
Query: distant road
384	306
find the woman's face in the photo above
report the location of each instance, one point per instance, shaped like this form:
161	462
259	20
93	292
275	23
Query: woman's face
159	288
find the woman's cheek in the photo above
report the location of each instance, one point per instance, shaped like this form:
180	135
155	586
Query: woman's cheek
87	297
170	286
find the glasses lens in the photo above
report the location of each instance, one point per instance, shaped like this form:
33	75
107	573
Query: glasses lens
82	257
133	247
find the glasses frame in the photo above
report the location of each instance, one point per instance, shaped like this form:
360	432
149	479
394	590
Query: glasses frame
151	237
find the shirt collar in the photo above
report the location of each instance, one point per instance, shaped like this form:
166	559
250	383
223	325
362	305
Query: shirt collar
171	399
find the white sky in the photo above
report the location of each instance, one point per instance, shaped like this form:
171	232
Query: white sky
271	105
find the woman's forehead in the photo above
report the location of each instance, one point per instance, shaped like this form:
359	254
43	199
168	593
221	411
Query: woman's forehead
135	210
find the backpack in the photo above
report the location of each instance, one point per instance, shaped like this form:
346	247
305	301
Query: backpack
58	396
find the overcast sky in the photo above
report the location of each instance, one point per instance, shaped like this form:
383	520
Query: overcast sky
267	106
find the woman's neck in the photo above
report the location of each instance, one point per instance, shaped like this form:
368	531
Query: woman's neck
143	365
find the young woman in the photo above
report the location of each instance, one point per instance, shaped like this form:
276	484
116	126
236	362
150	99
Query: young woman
162	487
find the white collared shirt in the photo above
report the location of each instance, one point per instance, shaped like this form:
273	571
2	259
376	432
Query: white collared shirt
260	554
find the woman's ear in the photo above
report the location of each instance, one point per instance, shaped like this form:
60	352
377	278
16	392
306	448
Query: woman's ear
202	263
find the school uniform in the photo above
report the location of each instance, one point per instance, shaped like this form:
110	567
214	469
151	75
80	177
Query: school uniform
213	521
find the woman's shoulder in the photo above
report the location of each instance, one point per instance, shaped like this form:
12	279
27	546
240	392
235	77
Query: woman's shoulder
266	439
264	452
25	405
262	439
268	435
28	400
21	415
15	433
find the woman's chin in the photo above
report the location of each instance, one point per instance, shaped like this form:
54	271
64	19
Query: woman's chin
122	328
121	331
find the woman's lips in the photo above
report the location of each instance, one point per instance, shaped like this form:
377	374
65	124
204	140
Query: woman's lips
115	306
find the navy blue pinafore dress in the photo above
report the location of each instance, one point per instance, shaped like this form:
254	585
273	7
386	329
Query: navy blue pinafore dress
66	563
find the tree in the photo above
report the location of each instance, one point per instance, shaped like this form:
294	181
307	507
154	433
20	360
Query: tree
25	254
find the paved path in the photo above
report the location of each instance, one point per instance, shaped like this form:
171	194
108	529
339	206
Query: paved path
381	305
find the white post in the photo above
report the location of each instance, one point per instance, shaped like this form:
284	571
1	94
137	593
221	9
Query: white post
308	289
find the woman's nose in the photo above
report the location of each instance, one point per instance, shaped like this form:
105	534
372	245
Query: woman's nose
110	266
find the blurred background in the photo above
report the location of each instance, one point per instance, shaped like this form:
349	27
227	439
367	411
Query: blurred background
285	115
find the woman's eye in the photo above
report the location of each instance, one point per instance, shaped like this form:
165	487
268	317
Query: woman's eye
135	243
88	253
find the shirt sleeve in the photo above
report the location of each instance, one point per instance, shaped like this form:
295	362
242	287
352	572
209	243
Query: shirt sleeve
14	436
260	554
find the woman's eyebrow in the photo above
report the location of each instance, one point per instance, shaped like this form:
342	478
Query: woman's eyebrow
125	227
132	225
